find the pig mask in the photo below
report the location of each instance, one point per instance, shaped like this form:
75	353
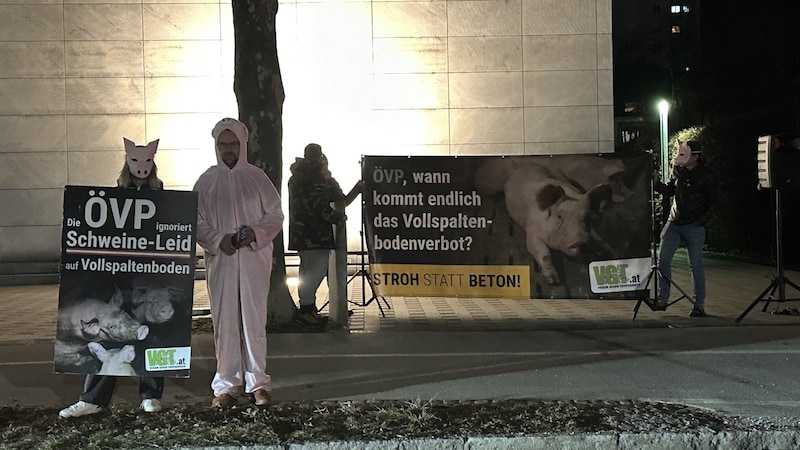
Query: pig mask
140	158
684	155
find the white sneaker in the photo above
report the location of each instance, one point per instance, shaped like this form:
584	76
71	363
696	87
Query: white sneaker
80	409
150	405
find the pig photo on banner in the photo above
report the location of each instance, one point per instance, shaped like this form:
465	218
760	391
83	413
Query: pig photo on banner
127	282
564	226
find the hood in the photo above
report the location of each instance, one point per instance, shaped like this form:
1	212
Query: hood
238	129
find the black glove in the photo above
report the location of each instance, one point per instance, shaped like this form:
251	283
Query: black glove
238	238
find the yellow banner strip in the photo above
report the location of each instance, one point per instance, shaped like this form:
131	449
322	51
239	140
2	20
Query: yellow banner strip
422	280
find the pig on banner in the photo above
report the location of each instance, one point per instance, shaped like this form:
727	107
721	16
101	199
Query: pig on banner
563	226
127	281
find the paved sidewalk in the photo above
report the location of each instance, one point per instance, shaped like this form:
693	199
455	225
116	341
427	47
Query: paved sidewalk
472	349
27	313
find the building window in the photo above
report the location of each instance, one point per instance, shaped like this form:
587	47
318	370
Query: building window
678	9
630	135
676	29
656	9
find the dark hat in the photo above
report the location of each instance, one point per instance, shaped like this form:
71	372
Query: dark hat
312	151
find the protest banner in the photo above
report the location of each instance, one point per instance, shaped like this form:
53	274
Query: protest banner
565	226
127	281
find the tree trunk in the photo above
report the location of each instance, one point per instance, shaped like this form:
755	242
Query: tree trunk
259	93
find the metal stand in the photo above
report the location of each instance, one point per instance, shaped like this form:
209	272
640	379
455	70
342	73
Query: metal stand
363	272
780	281
656	274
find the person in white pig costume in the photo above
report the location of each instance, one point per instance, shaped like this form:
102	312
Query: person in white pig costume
239	214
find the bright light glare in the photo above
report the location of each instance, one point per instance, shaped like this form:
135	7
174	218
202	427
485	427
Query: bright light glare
663	111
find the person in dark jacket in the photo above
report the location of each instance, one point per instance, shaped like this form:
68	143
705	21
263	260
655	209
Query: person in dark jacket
692	189
311	220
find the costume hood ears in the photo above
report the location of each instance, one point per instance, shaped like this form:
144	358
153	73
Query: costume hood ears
238	128
140	158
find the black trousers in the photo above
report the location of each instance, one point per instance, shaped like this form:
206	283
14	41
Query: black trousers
97	389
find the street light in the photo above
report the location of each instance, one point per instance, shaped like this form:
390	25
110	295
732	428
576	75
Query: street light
663	112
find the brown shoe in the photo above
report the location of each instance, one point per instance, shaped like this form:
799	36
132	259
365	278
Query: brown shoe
223	401
262	397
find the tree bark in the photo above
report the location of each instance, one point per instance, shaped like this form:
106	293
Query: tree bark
259	93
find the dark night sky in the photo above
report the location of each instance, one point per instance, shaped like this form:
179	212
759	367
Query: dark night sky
751	51
727	24
749	56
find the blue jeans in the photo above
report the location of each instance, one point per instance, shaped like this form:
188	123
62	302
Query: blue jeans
672	236
313	268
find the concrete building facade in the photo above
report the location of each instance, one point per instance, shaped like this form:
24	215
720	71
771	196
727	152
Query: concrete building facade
444	77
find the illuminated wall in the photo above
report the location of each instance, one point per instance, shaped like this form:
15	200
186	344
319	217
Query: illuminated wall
454	77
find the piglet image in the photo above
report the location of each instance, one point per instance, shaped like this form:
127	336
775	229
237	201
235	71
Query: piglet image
92	320
116	361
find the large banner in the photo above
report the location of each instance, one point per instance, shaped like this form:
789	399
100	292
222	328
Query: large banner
127	281
567	226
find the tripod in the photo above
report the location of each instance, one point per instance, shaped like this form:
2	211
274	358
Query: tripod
780	281
657	275
363	272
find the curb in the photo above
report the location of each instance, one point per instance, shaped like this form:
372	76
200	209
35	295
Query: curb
705	439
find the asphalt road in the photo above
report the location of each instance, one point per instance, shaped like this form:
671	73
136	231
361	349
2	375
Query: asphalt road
741	370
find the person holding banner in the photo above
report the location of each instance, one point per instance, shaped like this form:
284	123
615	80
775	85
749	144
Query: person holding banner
692	187
138	172
312	188
239	214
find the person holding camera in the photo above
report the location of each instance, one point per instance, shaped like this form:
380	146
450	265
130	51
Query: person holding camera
312	188
692	188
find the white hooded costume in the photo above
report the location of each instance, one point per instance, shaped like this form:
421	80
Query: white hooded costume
238	284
